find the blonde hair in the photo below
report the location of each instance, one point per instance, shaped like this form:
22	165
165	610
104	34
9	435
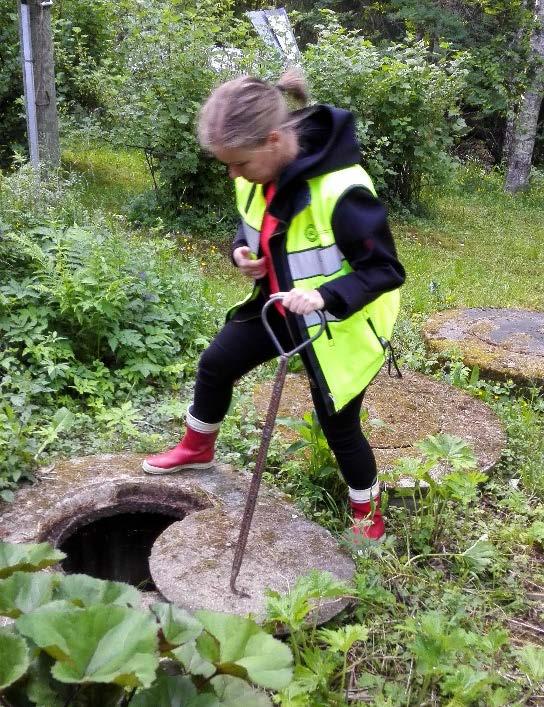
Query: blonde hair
244	111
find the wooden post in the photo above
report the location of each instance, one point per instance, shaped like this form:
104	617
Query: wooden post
45	98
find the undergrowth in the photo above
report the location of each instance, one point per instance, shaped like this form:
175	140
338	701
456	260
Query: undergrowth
101	332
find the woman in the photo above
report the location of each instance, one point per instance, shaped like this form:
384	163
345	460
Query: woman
313	228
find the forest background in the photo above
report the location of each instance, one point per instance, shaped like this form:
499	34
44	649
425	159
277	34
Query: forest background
115	275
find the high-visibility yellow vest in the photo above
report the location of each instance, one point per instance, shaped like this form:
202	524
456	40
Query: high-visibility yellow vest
352	352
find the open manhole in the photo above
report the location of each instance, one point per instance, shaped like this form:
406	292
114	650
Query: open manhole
116	547
105	513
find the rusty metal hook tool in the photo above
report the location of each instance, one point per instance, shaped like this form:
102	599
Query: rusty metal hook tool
268	428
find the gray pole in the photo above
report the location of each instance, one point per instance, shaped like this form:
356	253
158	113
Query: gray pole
27	61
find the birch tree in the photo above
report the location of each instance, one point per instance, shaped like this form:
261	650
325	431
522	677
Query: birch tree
523	142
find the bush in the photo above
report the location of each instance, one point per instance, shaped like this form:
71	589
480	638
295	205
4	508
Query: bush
88	316
12	121
172	72
84	309
405	106
86	62
79	305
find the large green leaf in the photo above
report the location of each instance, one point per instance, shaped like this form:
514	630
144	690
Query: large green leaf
14	659
82	590
110	644
192	660
27	557
172	691
177	625
40	687
242	644
23	592
233	692
480	555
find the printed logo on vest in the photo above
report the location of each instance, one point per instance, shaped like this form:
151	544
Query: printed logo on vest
310	232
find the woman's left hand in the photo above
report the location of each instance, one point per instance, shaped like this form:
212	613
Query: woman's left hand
303	301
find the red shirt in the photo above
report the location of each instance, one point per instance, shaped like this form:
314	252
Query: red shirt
268	227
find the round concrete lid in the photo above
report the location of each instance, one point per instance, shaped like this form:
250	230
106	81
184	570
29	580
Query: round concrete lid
503	343
191	561
402	412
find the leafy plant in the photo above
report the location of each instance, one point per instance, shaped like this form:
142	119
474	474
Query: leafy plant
91	634
431	494
406	108
321	475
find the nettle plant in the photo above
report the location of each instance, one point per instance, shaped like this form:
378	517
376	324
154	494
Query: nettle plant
76	640
453	484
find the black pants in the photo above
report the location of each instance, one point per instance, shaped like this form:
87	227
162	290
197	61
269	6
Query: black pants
241	346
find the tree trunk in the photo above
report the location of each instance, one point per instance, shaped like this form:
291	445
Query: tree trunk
521	152
508	136
44	81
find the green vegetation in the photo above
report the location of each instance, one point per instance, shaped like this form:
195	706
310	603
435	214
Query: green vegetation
478	246
92	644
449	609
115	274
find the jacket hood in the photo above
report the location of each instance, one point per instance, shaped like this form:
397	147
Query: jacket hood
327	143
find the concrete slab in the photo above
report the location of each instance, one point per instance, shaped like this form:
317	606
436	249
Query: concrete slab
503	343
191	561
402	412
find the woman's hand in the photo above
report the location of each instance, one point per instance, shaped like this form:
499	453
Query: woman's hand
303	301
244	259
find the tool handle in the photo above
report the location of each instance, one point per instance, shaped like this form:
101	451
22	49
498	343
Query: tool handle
264	316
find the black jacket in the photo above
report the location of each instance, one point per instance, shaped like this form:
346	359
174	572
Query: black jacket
328	143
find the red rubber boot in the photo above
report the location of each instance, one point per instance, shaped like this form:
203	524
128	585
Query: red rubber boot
367	516
195	451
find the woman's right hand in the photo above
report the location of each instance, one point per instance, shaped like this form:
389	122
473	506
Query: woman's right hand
243	257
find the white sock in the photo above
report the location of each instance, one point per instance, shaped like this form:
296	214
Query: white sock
199	426
364	495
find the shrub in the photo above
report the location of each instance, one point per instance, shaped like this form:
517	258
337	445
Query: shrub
87	316
86	62
79	305
406	107
174	65
12	122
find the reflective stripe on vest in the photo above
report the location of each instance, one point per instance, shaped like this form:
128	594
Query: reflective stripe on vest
316	261
252	236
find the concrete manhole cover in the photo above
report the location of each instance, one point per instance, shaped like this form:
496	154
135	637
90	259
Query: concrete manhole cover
190	561
402	412
504	343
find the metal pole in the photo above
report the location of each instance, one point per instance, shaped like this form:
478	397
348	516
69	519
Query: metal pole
27	61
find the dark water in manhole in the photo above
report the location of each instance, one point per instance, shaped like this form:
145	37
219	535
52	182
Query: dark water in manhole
116	547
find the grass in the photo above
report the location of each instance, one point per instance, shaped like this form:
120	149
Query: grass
111	177
479	246
476	244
